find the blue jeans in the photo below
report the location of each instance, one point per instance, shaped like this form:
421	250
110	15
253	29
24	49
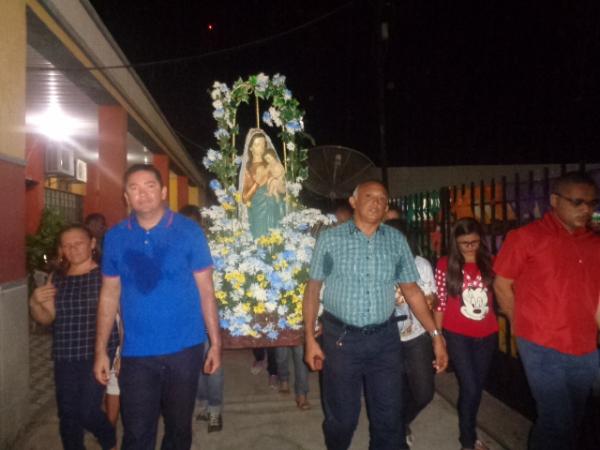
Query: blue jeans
300	369
471	359
210	388
560	384
353	361
419	384
155	385
79	401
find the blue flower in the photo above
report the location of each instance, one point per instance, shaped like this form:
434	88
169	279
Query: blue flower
218	113
287	94
283	324
275	280
273	295
272	335
219	263
224	324
207	162
293	126
288	255
214	185
266	117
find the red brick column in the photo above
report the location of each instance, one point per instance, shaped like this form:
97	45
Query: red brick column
182	191
104	190
161	162
35	152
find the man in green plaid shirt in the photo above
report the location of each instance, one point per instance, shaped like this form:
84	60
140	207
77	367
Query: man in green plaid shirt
361	262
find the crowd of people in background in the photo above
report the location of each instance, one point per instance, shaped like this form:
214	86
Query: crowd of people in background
390	321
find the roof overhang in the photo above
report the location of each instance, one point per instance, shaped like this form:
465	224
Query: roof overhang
72	37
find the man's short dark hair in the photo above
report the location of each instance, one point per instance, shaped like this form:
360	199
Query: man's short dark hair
571	178
94	217
142	168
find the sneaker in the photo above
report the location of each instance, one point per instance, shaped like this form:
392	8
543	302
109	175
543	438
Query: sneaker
480	445
215	422
410	437
202	415
257	366
273	383
284	387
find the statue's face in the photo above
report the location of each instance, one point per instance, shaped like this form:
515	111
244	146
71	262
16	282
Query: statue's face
268	158
259	145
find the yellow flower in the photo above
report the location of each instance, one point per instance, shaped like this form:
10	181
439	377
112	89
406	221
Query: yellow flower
260	277
237	197
228	207
221	295
259	309
246	307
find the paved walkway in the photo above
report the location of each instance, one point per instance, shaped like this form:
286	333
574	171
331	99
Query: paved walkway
257	417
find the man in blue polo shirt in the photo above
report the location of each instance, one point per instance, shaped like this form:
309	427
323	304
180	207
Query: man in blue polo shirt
360	262
157	266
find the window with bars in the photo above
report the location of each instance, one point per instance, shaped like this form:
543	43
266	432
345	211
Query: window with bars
69	205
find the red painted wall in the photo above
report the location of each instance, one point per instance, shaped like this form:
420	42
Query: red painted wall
182	191
104	189
12	220
35	150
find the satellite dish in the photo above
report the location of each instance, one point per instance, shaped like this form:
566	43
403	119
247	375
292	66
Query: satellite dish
334	171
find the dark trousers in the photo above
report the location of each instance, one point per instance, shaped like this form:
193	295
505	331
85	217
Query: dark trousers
354	361
79	401
419	375
560	385
471	359
259	355
155	385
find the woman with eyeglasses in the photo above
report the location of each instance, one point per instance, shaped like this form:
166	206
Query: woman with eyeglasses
466	315
69	301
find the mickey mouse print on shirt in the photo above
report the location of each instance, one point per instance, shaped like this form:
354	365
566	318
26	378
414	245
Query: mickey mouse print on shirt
471	312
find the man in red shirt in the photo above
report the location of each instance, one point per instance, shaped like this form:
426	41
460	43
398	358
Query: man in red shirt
548	284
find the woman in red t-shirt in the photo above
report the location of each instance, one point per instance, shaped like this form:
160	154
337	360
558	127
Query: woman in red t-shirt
466	314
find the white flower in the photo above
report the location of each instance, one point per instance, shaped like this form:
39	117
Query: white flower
275	116
291	146
213	155
217	104
258	293
262	82
278	80
294	188
270	306
221	133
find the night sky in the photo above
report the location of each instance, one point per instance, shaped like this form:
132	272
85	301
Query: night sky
481	82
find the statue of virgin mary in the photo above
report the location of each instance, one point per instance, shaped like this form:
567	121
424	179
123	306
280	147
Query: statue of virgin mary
262	183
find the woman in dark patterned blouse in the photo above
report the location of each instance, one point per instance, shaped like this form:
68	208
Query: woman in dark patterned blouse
69	301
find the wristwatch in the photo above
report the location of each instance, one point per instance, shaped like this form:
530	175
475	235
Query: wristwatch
435	333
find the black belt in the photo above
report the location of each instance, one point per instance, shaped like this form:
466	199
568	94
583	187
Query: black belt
367	329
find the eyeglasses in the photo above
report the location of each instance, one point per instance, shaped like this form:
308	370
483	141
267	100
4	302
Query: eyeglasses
469	244
577	202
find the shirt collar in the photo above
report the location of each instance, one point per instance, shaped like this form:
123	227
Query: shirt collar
165	221
353	229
